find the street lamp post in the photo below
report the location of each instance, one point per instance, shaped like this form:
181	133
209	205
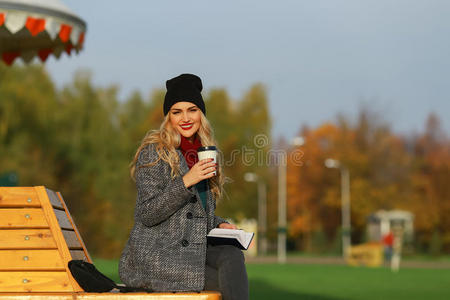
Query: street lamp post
262	210
282	190
262	215
282	170
345	203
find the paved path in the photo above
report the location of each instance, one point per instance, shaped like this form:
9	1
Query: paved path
332	260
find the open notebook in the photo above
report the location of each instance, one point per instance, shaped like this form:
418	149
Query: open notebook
235	237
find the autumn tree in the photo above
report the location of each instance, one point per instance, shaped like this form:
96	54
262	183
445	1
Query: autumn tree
384	174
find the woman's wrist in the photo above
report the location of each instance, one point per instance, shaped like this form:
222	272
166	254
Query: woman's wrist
186	182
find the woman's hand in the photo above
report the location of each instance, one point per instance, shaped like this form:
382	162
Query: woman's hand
202	170
227	226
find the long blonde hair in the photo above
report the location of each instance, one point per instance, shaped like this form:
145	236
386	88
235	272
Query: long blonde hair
167	139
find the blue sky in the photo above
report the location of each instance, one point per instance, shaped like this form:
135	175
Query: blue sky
317	58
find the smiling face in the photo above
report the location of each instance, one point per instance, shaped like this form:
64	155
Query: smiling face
186	118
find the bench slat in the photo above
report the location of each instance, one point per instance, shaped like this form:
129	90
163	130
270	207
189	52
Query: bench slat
31	260
71	239
63	221
34	281
54	200
26	239
22	217
112	296
150	296
78	254
18	197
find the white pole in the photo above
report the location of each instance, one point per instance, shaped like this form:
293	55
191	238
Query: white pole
345	207
262	216
282	211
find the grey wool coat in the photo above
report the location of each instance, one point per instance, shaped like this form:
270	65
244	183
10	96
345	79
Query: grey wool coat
166	249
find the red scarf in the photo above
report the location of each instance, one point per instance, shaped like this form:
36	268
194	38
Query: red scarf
189	150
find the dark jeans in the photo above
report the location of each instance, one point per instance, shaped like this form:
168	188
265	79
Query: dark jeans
226	273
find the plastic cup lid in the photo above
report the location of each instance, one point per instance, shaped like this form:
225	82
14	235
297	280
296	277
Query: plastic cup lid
206	148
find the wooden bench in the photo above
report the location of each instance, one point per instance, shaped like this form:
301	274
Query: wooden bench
37	240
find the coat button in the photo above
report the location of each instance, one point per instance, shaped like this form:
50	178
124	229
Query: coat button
184	243
193	199
189	215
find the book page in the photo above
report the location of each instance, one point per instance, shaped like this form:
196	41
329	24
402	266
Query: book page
244	238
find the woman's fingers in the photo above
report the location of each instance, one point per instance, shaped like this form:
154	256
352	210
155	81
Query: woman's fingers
227	226
206	171
208	166
206	160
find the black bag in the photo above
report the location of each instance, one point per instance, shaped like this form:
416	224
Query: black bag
93	281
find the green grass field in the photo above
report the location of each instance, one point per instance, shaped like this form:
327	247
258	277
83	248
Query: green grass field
330	282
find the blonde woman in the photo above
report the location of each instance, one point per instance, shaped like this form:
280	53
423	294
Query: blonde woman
176	199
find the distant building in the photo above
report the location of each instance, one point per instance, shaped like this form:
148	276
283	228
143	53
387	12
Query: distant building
382	222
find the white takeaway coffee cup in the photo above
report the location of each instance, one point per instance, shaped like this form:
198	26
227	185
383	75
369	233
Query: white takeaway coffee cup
208	152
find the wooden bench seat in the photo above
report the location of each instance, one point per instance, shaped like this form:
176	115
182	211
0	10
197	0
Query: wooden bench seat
111	296
37	240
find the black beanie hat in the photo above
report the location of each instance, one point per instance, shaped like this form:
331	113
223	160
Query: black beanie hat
184	88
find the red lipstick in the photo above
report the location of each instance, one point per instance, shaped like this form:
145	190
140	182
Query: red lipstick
189	127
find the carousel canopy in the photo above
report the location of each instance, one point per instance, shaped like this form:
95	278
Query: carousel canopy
30	28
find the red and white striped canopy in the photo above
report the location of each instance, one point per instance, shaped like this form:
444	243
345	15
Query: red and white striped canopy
30	28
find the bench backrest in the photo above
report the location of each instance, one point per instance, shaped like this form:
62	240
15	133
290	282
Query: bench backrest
37	239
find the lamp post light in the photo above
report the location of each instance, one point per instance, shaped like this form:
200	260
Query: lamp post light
345	203
282	187
262	210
